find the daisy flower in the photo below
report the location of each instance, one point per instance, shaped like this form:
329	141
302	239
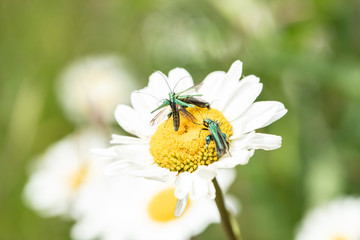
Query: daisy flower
337	220
60	175
160	153
136	208
91	88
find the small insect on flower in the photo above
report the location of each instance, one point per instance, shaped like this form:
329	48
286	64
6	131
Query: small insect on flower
220	139
221	143
178	104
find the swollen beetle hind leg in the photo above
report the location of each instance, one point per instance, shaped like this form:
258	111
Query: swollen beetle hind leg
208	139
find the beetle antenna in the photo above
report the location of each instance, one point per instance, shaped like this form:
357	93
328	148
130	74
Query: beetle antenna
179	81
200	115
148	94
163	76
209	109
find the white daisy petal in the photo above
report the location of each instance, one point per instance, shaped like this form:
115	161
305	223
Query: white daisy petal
158	85
229	86
261	114
225	177
180	79
211	85
235	71
232	205
211	190
132	121
116	167
135	152
146	171
154	173
119	139
206	172
199	187
105	152
239	157
244	95
144	101
238	127
180	206
242	142
264	141
123	168
183	185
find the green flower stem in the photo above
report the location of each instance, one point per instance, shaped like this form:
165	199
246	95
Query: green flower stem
227	219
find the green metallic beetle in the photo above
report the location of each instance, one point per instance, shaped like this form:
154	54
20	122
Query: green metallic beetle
221	143
178	104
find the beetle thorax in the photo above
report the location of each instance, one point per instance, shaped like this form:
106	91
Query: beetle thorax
172	97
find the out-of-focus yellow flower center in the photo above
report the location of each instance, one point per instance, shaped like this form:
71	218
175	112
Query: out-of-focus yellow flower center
185	149
339	237
162	205
77	178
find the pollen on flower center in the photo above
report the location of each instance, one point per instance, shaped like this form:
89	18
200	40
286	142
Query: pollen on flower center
185	149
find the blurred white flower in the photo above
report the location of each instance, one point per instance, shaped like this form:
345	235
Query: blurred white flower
136	208
92	87
338	220
63	172
253	16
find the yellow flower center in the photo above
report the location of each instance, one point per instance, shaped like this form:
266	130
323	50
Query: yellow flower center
162	205
77	178
185	149
339	237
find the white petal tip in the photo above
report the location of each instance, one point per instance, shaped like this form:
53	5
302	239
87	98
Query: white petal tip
181	206
238	62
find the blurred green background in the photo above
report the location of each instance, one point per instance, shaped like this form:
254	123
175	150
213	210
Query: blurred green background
306	53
